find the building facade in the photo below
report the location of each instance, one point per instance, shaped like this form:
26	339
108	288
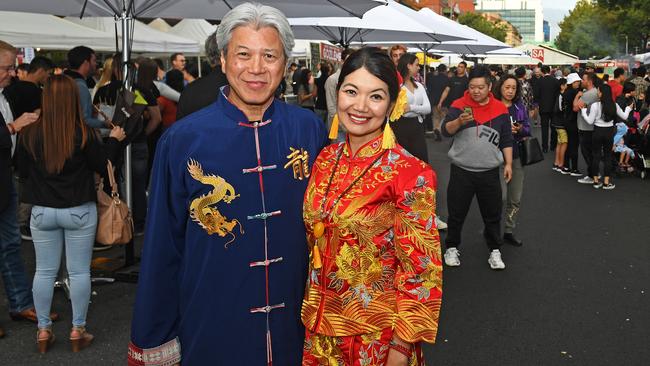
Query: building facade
526	15
547	31
443	7
513	38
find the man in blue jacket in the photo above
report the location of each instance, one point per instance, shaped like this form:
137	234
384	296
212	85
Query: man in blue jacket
83	62
225	255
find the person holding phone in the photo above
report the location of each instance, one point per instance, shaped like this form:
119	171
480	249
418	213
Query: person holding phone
508	91
480	126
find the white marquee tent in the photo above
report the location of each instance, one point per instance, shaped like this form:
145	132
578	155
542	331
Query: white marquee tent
160	24
145	38
194	29
50	32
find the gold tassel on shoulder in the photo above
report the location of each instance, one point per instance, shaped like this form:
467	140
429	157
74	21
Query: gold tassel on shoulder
334	130
400	103
315	257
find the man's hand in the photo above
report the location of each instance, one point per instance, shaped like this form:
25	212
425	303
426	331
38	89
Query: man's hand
118	133
515	128
465	118
25	120
507	173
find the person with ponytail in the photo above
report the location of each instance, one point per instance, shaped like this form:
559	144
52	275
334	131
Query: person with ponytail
375	276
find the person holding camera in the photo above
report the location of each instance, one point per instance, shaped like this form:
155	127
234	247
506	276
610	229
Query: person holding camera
508	90
482	132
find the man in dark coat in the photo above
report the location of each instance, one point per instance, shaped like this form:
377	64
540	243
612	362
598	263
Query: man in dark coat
549	89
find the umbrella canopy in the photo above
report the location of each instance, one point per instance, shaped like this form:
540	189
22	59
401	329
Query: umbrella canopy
205	9
145	38
391	23
160	24
195	29
50	32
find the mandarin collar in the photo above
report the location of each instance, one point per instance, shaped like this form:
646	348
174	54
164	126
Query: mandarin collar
370	149
236	114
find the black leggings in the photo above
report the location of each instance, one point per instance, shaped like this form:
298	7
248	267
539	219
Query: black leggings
571	157
602	142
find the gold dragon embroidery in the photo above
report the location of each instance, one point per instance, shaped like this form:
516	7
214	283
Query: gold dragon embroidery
202	210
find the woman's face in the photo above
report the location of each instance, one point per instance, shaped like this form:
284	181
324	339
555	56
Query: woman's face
509	89
414	68
363	104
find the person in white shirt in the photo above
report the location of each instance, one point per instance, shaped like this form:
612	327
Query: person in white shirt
602	115
409	129
331	86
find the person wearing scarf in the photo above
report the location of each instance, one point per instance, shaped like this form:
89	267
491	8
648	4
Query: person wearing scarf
482	142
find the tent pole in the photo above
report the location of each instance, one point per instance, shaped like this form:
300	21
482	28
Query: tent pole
198	58
126	55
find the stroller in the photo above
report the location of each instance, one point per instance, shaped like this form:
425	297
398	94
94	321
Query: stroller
640	143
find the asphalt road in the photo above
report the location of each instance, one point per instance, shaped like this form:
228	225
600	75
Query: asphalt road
576	293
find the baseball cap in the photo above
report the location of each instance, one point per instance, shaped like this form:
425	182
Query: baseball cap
572	78
590	65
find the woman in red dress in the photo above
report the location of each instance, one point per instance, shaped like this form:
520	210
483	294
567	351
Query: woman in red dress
375	273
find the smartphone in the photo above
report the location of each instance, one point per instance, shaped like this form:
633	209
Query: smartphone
468	110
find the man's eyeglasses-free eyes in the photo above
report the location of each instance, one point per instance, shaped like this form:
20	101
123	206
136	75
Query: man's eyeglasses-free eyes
8	68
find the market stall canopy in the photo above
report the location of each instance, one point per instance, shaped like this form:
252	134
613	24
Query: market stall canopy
548	55
145	38
160	24
180	9
394	22
195	29
50	32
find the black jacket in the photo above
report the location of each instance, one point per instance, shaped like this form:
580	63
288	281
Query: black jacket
549	89
200	93
5	164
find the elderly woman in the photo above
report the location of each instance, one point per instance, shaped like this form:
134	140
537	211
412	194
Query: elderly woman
224	260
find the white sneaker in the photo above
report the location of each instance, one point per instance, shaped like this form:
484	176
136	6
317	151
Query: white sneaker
451	257
495	260
441	225
586	180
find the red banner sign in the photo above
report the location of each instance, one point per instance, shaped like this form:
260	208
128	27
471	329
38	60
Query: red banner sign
329	52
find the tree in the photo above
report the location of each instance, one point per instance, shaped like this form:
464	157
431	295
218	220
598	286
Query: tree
476	21
588	31
631	18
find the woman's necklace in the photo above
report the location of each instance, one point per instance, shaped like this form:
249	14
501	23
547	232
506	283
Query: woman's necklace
319	227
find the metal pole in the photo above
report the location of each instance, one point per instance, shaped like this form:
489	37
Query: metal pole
626	53
126	55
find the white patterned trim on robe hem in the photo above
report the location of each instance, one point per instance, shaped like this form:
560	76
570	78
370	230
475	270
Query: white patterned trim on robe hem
166	354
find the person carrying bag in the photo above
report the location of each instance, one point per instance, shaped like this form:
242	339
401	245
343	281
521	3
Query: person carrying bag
114	223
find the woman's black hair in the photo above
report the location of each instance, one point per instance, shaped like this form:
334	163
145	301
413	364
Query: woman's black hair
403	66
609	108
304	79
174	78
562	81
628	87
377	63
496	89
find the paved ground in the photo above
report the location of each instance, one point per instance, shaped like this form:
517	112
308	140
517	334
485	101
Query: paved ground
576	293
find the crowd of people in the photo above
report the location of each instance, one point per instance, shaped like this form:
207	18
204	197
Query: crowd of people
223	170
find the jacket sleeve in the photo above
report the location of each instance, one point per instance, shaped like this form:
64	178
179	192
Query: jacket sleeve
623	114
418	277
87	106
592	113
154	328
452	114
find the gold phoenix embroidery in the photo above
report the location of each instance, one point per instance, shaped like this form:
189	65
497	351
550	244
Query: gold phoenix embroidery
299	162
201	210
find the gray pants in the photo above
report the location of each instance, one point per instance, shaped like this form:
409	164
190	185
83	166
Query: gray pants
515	189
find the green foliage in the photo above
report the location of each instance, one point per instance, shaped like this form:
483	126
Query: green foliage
476	21
599	29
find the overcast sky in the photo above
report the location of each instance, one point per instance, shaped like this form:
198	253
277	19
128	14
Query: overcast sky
555	11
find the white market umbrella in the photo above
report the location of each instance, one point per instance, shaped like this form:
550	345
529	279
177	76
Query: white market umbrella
160	24
394	22
145	38
180	9
50	32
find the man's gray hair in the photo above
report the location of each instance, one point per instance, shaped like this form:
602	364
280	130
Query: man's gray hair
212	49
257	16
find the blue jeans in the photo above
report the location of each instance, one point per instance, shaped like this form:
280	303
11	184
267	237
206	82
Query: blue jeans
51	228
11	262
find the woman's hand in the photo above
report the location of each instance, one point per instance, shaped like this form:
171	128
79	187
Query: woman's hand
25	119
396	358
516	128
118	133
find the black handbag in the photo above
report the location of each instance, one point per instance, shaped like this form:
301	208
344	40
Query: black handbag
530	151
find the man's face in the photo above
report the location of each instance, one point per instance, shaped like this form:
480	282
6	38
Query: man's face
92	64
589	69
586	83
460	70
41	75
479	89
538	72
179	62
7	68
396	54
254	64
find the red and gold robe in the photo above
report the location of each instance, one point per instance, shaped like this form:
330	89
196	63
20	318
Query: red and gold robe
381	268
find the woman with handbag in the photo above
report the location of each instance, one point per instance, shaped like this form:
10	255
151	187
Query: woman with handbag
58	156
508	90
